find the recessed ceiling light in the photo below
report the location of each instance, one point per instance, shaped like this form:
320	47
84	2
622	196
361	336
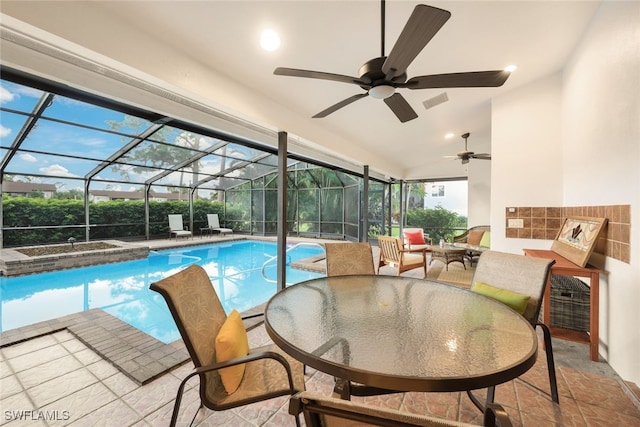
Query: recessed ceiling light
449	135
269	40
510	68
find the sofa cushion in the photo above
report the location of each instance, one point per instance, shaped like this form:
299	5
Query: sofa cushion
474	237
486	239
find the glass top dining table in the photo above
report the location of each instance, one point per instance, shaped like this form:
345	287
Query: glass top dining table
400	333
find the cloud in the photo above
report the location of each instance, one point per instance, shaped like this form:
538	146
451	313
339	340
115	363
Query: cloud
28	158
5	95
56	170
4	131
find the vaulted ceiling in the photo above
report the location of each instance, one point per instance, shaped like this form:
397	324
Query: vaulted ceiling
336	37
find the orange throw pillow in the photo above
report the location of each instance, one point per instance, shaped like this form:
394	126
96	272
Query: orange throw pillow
415	237
232	342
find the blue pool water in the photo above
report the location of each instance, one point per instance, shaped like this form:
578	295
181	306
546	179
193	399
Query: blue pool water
122	289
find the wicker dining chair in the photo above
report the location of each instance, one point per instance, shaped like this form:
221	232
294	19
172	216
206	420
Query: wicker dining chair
349	258
199	316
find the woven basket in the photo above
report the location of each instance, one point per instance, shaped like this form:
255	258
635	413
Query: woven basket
570	301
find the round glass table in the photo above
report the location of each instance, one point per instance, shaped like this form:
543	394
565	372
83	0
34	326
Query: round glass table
401	334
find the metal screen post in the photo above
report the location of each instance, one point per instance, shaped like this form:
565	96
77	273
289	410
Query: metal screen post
282	211
364	235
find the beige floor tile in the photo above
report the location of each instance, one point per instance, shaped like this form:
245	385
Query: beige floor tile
81	403
150	397
47	371
38	357
59	387
9	386
116	413
28	346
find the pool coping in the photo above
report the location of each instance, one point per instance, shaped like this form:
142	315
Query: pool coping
14	263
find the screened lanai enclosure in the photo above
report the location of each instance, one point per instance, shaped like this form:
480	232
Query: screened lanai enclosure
76	165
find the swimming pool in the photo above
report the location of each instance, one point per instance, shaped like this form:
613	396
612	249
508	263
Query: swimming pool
122	289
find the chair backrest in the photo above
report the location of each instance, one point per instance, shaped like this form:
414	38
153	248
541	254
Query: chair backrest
345	259
518	273
390	248
213	220
175	222
326	411
197	312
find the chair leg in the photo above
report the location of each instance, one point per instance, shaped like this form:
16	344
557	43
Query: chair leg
176	405
551	366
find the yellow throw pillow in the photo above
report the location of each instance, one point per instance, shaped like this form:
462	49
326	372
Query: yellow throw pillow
516	301
232	342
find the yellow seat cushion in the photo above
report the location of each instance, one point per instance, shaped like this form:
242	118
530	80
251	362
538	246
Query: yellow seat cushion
516	301
232	342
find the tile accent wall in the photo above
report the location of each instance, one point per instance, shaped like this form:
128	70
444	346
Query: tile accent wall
545	222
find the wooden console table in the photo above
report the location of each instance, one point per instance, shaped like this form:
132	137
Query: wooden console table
564	267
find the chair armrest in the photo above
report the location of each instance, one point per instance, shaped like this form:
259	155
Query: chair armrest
495	415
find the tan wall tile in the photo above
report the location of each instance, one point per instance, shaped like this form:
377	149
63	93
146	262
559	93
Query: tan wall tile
554	212
538	212
625	253
524	212
511	233
513	214
625	214
524	233
538	233
538	222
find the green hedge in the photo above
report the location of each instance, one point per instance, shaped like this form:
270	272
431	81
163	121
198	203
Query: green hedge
109	220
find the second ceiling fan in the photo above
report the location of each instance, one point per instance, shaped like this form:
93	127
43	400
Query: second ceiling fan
380	77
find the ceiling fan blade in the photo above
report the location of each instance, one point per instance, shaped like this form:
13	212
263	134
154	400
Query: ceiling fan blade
293	72
423	24
339	105
482	156
470	79
451	157
400	107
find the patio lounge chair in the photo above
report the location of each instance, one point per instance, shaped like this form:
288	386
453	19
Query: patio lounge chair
176	228
526	276
214	224
200	317
416	240
349	258
325	411
392	252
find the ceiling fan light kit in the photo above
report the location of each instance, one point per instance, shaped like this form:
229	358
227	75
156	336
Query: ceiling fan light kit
382	91
380	77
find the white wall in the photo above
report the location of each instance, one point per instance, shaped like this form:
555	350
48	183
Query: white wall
526	156
479	197
573	139
601	161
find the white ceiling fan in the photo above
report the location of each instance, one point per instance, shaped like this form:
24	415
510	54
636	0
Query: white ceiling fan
466	154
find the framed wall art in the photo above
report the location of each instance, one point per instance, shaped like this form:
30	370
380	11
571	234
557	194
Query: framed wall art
577	238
